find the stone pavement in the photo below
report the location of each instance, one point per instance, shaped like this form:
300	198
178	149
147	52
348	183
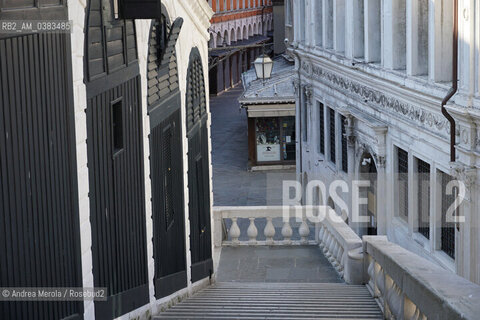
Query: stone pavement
233	185
275	264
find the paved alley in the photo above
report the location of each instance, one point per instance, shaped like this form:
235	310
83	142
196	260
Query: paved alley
233	185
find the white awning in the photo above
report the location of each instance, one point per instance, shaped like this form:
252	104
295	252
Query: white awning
271	110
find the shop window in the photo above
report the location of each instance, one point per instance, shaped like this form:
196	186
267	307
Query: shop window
275	139
344	145
423	171
447	243
321	137
331	117
402	181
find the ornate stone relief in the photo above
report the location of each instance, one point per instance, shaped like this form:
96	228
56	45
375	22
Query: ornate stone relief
467	175
296	86
308	93
377	98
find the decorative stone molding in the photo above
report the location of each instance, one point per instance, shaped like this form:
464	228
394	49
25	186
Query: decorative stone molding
380	161
296	86
378	99
466	174
308	93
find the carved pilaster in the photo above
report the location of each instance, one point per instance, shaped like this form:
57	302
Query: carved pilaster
308	94
465	174
296	87
380	161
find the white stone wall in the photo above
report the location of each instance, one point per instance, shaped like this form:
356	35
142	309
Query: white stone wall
196	15
390	85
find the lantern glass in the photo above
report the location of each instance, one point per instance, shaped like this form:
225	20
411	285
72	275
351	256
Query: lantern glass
263	67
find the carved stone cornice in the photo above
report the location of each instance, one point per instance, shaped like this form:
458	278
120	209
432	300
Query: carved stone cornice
379	99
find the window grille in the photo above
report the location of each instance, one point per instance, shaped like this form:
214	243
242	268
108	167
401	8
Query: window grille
331	114
448	228
424	198
322	128
344	145
402	176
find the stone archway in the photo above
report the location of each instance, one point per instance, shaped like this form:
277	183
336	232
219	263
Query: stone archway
368	172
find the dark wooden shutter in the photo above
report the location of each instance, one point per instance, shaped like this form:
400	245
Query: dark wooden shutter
166	159
198	170
39	228
115	161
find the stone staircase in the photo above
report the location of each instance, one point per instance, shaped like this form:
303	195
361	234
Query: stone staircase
257	300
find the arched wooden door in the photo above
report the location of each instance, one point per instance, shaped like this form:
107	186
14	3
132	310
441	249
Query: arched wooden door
198	170
166	159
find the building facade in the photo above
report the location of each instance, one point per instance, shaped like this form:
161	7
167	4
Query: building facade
370	80
236	23
270	107
105	142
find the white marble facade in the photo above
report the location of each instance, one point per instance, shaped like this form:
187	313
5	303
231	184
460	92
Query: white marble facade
385	66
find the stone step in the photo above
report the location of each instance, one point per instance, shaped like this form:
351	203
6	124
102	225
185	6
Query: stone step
235	300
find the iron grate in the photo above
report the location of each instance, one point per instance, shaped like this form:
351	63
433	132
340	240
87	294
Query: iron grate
322	128
424	198
448	228
331	114
402	172
344	146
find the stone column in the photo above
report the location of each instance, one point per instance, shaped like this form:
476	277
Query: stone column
467	255
351	141
394	44
339	25
381	194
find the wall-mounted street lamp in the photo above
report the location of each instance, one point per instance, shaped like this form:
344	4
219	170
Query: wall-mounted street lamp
263	67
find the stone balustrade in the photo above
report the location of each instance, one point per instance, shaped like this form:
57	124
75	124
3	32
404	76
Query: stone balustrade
342	247
408	286
273	235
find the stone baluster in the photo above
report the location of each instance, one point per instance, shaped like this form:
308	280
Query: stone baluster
393	299
320	235
333	253
371	274
411	311
324	238
269	231
380	280
234	232
338	263
252	232
327	243
304	231
287	232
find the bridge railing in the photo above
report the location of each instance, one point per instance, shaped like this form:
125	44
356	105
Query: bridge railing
408	286
261	225
267	225
343	248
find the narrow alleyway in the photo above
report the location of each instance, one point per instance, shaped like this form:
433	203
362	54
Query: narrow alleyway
233	185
